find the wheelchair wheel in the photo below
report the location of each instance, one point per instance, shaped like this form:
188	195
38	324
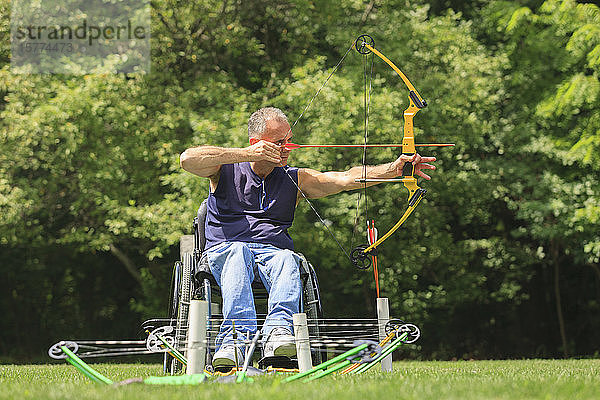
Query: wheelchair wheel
172	310
312	308
181	327
179	309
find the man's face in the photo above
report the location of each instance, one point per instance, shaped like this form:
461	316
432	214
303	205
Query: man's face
278	132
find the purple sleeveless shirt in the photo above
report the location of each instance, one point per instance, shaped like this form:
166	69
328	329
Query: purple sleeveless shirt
246	208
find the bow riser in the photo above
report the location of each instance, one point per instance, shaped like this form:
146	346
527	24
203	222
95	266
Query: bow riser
408	148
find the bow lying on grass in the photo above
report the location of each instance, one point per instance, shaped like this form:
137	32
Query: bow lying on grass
365	354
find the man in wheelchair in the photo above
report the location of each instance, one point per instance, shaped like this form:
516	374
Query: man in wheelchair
253	196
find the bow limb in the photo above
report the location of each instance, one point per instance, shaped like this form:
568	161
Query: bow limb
414	95
414	201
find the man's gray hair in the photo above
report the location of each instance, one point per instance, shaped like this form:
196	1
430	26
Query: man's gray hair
257	124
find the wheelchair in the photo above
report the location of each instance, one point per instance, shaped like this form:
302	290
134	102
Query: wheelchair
192	279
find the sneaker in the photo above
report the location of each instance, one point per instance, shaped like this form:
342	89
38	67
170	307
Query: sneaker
280	343
225	357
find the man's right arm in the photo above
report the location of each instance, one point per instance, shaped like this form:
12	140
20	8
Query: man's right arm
206	161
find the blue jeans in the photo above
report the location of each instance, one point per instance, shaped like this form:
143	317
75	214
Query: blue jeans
233	264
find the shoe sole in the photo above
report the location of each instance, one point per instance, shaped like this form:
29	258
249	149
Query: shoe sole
223	363
286	350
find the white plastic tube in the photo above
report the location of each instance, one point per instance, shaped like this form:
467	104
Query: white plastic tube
383	317
196	354
302	342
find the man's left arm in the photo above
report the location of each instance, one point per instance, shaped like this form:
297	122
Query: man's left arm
317	184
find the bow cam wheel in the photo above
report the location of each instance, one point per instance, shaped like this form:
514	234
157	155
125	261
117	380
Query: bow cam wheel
56	352
360	259
360	44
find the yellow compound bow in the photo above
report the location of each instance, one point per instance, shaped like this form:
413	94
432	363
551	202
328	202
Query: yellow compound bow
362	255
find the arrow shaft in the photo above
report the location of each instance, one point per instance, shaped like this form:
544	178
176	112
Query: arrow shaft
291	146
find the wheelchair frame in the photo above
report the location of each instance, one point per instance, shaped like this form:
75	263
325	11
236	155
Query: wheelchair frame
192	280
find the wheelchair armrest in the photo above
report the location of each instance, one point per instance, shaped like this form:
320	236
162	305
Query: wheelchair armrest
305	266
202	271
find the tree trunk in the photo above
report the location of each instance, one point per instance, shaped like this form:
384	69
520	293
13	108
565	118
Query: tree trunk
559	313
126	261
597	271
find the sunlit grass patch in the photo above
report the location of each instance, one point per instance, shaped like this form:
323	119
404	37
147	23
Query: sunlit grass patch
520	379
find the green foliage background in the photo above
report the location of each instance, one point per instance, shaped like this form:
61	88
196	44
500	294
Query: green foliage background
499	261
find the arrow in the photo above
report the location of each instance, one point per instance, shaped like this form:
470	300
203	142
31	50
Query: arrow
292	146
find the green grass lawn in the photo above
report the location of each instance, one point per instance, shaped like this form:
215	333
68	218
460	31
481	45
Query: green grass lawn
521	379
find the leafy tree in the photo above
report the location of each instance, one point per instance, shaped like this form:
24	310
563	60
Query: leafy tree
554	86
93	201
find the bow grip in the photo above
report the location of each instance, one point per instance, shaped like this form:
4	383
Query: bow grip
408	168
